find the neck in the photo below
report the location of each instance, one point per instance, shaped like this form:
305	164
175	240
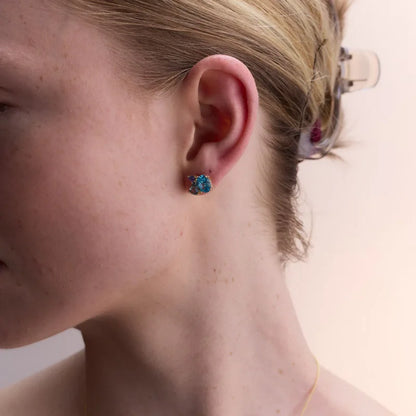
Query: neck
224	342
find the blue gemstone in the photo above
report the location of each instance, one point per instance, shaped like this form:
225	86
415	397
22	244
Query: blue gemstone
204	184
200	184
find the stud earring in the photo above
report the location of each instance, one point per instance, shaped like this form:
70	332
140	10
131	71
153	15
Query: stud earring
200	184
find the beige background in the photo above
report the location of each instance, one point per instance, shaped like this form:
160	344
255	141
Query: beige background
355	296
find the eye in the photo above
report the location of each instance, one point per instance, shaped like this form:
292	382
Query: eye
4	108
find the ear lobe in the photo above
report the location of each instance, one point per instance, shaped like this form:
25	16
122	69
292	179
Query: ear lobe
226	106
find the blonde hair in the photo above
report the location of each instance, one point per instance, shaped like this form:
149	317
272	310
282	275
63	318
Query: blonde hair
158	42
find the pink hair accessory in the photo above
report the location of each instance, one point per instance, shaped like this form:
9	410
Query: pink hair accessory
316	134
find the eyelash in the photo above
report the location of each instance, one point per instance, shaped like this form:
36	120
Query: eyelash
2	105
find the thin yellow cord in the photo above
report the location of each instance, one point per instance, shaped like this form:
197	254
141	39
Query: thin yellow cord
307	401
313	388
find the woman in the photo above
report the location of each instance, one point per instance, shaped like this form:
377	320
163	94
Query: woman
148	175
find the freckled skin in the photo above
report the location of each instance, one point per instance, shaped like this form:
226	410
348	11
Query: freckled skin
76	209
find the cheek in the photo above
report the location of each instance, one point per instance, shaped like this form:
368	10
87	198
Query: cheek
86	226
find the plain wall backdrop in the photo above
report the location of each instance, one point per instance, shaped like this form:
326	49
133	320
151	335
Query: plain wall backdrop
355	294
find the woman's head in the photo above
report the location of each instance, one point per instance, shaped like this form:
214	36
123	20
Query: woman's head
111	104
279	41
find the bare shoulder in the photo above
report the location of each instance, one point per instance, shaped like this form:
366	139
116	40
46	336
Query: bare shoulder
344	399
52	391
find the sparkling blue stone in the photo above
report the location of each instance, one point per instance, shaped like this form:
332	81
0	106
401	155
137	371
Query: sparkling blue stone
203	184
200	184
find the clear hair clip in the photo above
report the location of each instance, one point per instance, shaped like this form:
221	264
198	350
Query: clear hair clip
358	69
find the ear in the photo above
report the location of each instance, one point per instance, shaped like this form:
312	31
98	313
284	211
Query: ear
220	95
